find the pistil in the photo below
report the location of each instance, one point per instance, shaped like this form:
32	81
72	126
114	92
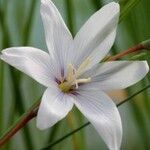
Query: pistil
72	79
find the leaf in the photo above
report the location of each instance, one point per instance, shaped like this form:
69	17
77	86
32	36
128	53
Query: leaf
126	7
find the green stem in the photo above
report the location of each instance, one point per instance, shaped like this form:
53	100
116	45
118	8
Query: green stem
53	133
6	37
88	123
66	136
70	15
140	121
97	4
29	23
71	123
141	124
126	6
146	97
1	95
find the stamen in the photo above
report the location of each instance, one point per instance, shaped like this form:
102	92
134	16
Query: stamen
71	79
83	80
76	83
70	73
83	66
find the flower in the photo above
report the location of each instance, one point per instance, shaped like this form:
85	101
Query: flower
72	72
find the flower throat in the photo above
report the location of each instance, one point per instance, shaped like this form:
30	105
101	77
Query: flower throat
72	79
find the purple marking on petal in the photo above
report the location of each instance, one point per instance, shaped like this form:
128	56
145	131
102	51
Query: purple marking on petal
62	72
74	71
79	84
75	93
58	81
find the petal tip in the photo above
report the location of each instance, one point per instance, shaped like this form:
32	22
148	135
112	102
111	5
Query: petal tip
5	51
46	2
115	6
43	1
146	67
40	125
2	54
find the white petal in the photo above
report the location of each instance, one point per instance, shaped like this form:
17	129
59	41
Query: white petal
117	74
97	36
100	110
58	37
55	106
32	61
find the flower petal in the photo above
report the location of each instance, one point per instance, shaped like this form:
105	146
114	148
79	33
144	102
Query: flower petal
32	61
100	110
97	36
58	37
117	75
55	106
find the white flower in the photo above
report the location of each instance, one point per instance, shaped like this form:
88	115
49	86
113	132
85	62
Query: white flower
72	72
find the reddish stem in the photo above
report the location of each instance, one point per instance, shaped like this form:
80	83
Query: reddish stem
128	51
19	125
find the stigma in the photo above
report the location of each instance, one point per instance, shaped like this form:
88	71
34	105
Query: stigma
73	80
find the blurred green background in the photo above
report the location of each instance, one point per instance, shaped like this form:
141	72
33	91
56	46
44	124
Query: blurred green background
21	25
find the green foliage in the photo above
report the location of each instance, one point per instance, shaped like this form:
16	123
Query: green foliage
127	6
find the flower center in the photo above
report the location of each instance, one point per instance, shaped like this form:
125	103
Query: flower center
72	79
